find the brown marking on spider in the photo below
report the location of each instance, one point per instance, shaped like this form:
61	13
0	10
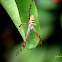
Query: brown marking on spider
30	27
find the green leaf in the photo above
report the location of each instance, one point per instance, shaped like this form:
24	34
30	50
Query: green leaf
18	11
12	10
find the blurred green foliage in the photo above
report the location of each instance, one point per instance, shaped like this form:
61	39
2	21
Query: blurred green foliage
46	17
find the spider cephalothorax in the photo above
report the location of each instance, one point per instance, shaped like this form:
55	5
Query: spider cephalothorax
30	27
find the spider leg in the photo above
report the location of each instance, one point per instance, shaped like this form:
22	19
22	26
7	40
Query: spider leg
24	42
38	36
26	38
23	24
29	10
18	52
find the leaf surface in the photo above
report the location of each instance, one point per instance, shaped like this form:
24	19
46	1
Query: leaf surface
18	10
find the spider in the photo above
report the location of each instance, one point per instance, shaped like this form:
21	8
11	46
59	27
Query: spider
30	27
